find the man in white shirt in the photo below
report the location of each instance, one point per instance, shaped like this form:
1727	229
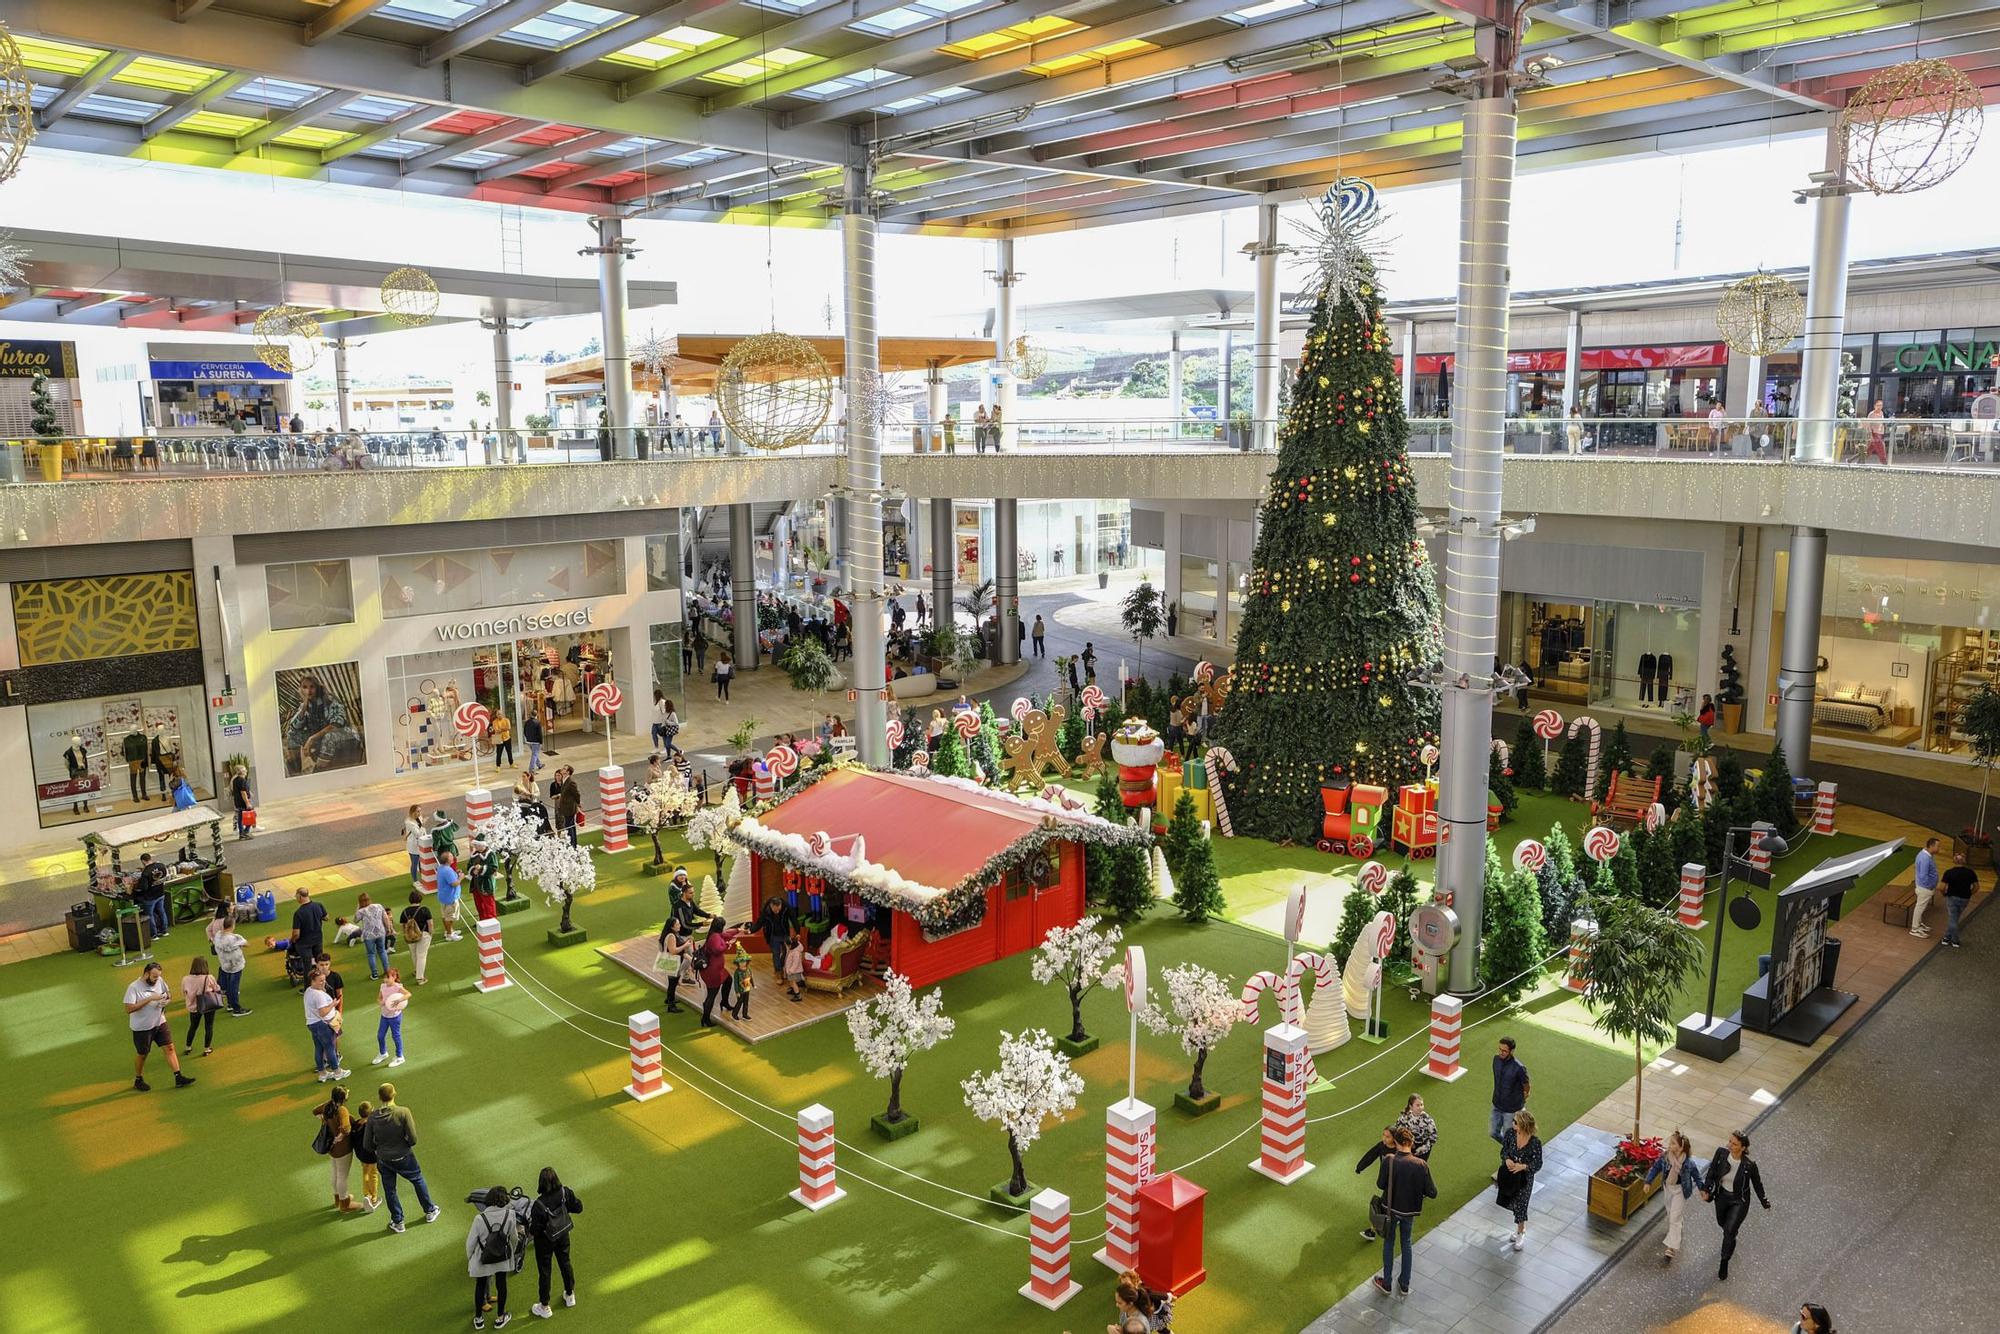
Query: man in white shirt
146	1012
320	1011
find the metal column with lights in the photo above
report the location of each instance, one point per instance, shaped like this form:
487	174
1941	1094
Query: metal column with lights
1819	405
944	560
742	588
935	405
1004	281
1007	579
340	407
1176	392
860	492
612	248
1264	357
1572	361
1409	368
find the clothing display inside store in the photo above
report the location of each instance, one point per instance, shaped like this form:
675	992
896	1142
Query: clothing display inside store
1559	650
561	669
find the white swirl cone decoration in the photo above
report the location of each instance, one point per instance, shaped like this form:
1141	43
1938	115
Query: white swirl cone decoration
739	904
1326	1013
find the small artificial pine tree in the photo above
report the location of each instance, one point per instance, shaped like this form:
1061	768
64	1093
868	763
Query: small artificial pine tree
1531	771
1500	785
950	757
1661	766
1356	911
1128	885
1728	776
42	408
985	746
1340	604
1615	759
1515	941
1686	837
1771	798
1561	885
1573	765
1070	741
1197	889
1400	900
1183	832
1659	873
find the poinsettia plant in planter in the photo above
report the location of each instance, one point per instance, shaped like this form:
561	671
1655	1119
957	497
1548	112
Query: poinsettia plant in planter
1632	1160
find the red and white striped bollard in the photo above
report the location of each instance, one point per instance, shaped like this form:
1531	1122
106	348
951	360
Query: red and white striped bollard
644	1031
1694	889
492	957
1581	931
611	808
427	867
1049	1283
1128	1165
817	1187
1447	1013
478	808
1282	1149
1824	801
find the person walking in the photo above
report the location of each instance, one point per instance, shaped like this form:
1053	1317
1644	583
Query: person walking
551	1220
490	1244
203	995
674	959
1877	449
240	797
149	891
391	1136
1520	1159
414	837
391	999
1926	885
501	733
1705	720
336	1141
725	667
993	429
416	924
146	1013
531	734
1676	1168
322	1018
740	978
1813	1319
1510	1091
373	919
1731	1180
230	962
568	803
1959	882
795	970
979	430
1037	636
450	889
1404	1182
1089	663
1423	1130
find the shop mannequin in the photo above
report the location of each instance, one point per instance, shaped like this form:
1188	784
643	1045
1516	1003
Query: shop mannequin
77	760
1666	678
163	760
1647	666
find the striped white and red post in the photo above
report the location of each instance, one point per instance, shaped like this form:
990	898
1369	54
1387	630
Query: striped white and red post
1128	1165
1581	932
644	1030
817	1187
1447	1013
1694	889
1282	1151
478	808
427	867
1049	1283
492	958
1824	801
1758	858
611	808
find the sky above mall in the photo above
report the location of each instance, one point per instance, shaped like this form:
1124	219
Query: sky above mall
1645	218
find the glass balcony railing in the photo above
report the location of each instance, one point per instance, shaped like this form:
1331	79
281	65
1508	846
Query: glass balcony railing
1899	442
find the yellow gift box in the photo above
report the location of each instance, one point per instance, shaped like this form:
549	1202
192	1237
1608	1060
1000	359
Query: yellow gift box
1170	795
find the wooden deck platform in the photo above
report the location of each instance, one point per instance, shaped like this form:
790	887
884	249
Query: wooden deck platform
771	1013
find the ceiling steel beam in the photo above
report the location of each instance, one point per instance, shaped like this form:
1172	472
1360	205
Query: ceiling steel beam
181	108
407	123
645	160
342	16
65	309
468	143
1797	61
830	16
82	86
582	143
1087	199
187	9
649	18
331	100
139	309
1656	38
483	28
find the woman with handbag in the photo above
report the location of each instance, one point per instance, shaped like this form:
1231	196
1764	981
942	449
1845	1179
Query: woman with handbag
1520	1159
336	1141
204	997
1683	1179
675	960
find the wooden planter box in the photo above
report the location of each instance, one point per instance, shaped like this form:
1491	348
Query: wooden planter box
1615	1203
1979	855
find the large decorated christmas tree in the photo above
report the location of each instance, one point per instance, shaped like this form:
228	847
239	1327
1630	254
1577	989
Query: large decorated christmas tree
1341	604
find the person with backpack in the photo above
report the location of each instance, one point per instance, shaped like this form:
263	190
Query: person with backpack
416	924
490	1244
551	1219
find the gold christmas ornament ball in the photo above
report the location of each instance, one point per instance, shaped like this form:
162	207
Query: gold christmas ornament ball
287	338
410	296
1760	314
1911	126
1027	361
774	390
17	106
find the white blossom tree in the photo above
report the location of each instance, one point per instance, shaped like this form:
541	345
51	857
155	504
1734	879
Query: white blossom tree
893	1026
1204	1007
708	829
507	835
661	804
1034	1082
562	870
1076	956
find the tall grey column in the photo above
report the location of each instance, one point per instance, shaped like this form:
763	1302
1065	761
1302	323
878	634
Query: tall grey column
1819	405
1572	361
1004	280
1264	330
1176	391
340	407
1007	578
503	375
1472	549
935	405
944	560
861	491
611	249
1224	354
743	588
1409	366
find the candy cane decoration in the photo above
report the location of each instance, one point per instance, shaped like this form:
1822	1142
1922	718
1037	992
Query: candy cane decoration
1601	843
1701	782
966	724
1596	745
1656	816
894	731
1020	709
1217	762
1506	755
1289	1010
1373	877
1548	726
1529	855
1326	1018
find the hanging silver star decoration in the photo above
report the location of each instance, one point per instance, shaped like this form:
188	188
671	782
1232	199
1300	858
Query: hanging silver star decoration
656	353
1342	249
13	259
887	400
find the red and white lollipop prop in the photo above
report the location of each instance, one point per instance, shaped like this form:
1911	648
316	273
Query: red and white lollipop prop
895	733
605	700
1020	709
470	720
1656	816
1373	877
967	724
1548	726
782	761
1530	855
1601	843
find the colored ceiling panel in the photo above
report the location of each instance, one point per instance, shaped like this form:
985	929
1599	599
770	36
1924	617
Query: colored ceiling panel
219	122
313	136
548	135
743	71
669	45
57	57
466	122
167	75
1021	34
1107	54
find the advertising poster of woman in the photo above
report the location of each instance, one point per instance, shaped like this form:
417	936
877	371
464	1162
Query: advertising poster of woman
321	711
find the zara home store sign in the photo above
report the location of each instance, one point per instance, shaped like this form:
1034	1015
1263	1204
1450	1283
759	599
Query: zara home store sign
513	627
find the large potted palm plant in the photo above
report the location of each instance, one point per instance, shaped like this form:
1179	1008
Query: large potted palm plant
1980	721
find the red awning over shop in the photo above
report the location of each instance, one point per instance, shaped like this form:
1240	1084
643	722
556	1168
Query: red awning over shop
1658	357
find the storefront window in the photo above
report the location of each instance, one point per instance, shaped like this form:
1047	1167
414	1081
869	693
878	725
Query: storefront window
78	748
309	593
663	562
425	690
666	642
437	582
1619	654
1200	579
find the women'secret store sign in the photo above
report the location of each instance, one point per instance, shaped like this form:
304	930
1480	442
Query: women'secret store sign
507	627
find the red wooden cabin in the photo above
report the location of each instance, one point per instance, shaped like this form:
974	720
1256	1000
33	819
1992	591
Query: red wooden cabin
945	911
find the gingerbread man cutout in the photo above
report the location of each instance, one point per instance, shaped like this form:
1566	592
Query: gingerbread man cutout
1090	759
1021	766
1045	731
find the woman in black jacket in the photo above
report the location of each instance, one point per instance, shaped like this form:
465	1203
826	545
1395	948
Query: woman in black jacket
551	1219
1732	1177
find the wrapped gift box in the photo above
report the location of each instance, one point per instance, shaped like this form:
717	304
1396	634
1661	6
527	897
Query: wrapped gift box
1415	798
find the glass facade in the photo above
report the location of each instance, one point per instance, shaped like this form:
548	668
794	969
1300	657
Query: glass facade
433	583
425	689
663	561
1915	372
304	594
1200	589
665	641
1618	654
77	752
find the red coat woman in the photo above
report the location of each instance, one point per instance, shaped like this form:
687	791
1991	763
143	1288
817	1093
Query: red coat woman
715	968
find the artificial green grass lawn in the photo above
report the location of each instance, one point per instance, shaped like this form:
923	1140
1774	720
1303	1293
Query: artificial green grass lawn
204	1209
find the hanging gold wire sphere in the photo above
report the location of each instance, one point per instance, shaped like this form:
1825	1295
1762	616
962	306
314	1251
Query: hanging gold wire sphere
1911	126
17	106
774	390
410	296
287	338
1027	361
1760	314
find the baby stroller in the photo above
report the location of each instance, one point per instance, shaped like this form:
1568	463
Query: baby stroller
519	1202
297	965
